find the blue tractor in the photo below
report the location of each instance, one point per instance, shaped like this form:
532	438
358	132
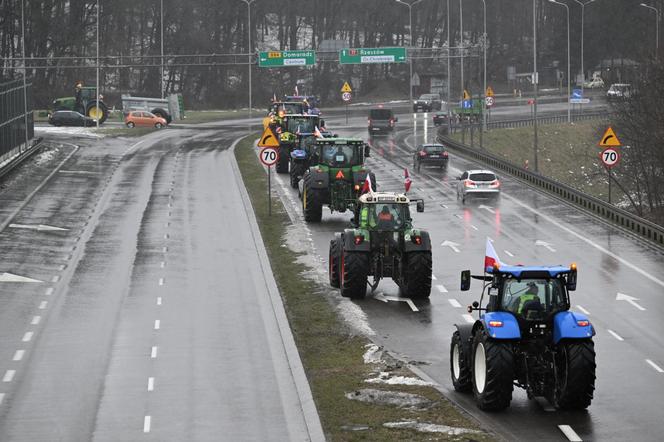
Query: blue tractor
526	336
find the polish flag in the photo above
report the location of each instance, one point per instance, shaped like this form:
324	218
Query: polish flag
317	132
490	257
406	180
367	185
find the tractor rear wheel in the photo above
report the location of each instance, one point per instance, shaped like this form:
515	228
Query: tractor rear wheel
493	372
311	202
417	275
282	162
95	113
459	365
333	259
575	375
353	270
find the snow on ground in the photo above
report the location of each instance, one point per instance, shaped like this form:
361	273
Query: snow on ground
385	378
78	131
431	428
373	355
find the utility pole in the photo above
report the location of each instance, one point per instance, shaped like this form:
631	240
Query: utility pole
583	14
463	86
410	32
569	81
161	22
535	80
449	73
97	91
249	2
25	75
484	40
656	27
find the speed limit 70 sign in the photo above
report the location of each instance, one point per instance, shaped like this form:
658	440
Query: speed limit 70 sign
269	156
610	156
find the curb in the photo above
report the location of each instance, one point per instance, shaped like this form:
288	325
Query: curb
22	156
309	411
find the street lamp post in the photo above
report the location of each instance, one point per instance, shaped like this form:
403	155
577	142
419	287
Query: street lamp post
97	91
463	86
249	2
535	80
656	26
583	14
569	80
484	36
161	24
410	32
449	73
25	75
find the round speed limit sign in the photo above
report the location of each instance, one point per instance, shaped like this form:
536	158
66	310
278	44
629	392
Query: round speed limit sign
269	156
610	156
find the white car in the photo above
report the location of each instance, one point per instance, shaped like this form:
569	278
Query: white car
595	83
482	183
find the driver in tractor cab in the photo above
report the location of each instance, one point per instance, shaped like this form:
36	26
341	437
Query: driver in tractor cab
385	219
528	301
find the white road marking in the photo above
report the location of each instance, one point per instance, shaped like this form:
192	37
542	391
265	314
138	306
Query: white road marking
146	424
454	303
441	288
10	277
150	384
475	228
2	397
163	264
380	297
615	335
444	206
487	208
161	281
546	406
569	433
159	300
165	235
39	228
458	216
167	225
49	291
434	277
655	366
452	245
165	249
43	305
18	355
35	320
62	267
56	278
507	252
545	244
157	324
583	309
412	305
9	375
469	319
631	299
27	337
153	352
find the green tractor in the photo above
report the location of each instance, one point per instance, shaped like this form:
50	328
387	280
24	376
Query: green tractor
84	102
382	243
336	177
293	127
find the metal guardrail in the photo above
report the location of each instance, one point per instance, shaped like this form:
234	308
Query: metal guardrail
13	118
607	212
551	119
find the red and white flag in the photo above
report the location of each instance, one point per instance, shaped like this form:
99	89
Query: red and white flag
274	97
317	132
406	180
297	93
367	185
490	257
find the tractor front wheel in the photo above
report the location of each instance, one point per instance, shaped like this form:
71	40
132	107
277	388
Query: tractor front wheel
459	365
354	269
311	202
333	259
575	375
493	372
97	113
417	275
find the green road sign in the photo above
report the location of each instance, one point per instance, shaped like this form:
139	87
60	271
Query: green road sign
275	59
372	55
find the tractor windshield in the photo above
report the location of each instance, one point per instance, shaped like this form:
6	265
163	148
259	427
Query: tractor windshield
340	155
385	216
534	298
300	125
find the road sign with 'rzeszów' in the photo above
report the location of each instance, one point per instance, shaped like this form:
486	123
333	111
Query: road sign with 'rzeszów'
372	55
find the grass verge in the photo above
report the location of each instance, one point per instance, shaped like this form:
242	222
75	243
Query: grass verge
568	153
331	354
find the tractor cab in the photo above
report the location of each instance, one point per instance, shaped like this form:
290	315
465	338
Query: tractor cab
385	212
302	124
339	153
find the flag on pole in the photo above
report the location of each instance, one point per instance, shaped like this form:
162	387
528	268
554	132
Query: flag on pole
274	97
317	132
297	93
406	180
490	257
367	185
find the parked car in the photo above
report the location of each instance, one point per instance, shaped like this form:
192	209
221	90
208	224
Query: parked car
381	120
430	154
483	183
146	119
70	118
427	102
619	91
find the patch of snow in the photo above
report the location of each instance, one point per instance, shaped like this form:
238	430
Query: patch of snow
80	131
46	156
385	378
386	397
373	355
431	428
356	317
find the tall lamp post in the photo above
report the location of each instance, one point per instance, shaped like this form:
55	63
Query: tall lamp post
97	91
249	2
463	86
161	24
656	26
583	14
410	32
25	75
484	36
449	73
535	80
569	80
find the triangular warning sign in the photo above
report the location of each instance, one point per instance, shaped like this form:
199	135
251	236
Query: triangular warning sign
489	91
268	139
609	139
340	175
466	95
346	87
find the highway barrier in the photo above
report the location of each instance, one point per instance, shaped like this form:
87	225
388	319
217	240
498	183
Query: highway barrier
601	209
15	135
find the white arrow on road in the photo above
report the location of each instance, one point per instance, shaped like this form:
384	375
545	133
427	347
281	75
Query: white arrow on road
39	228
545	244
452	245
381	297
487	208
10	277
631	299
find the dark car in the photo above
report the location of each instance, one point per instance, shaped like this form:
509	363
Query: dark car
70	118
427	103
381	120
440	118
430	155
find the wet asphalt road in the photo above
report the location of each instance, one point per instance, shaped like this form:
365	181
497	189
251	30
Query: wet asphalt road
629	343
147	313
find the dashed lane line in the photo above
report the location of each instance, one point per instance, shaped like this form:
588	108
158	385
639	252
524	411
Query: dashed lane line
441	288
655	366
570	433
18	355
35	320
27	337
454	303
157	324
508	253
163	264
43	305
468	318
9	376
615	335
583	309
159	300
161	281
150	384
49	291
153	352
146	424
